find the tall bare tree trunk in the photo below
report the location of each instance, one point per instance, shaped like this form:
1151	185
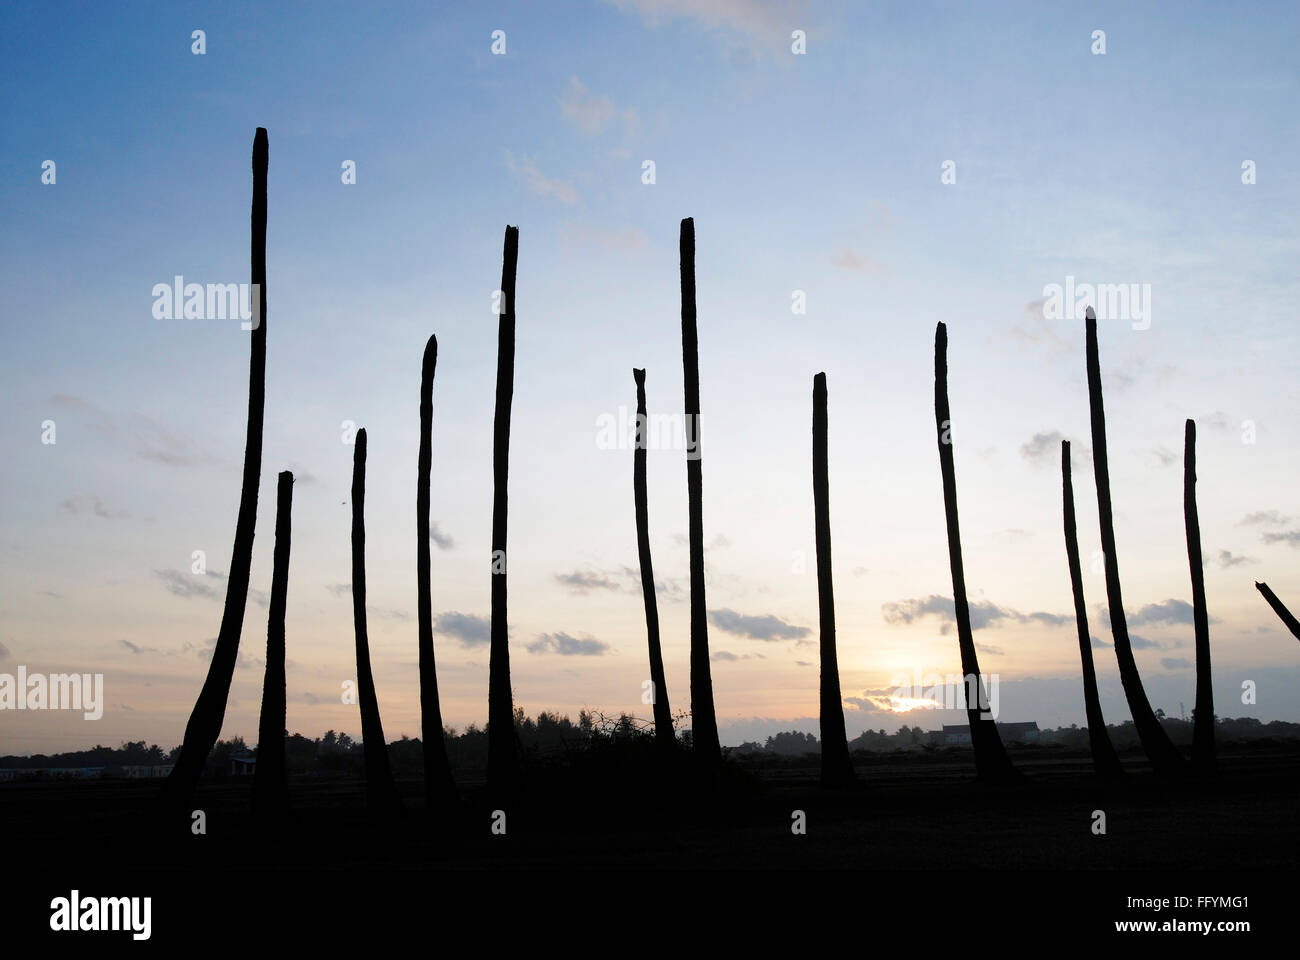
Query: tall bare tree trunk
837	769
439	787
1203	758
1160	750
1279	608
1105	760
503	759
991	760
210	709
382	797
270	779
704	721
665	736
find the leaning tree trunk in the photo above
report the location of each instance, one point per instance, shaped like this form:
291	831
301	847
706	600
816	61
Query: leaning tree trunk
704	721
1160	750
1203	758
1104	758
382	798
439	787
503	759
270	779
837	769
665	736
210	709
1279	608
991	760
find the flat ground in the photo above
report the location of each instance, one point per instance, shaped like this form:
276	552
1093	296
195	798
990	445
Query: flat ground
910	813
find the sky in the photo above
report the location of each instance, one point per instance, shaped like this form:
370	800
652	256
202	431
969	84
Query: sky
914	164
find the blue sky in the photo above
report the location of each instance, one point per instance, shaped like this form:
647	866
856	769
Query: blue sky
819	173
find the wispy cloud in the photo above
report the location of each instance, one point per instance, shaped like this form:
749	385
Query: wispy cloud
567	646
1264	518
584	581
1169	612
470	629
441	540
983	613
759	28
584	109
1226	559
1043	447
847	259
90	503
527	171
1290	537
185	585
763	627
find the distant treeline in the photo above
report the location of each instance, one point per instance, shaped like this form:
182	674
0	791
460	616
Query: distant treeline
1123	735
550	735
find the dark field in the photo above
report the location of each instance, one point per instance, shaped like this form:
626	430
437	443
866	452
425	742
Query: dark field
911	813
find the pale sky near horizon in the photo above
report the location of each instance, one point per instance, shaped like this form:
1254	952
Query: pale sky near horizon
819	172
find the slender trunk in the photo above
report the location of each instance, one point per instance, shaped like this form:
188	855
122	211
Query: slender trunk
270	779
439	787
837	769
664	734
704	722
991	760
1160	750
1279	608
209	712
1104	758
1203	758
503	759
382	797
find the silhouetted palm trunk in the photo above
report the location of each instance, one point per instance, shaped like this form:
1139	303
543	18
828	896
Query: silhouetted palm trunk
270	779
439	787
1279	608
837	769
991	760
1203	730
210	709
1160	750
704	722
1104	758
382	797
664	734
503	760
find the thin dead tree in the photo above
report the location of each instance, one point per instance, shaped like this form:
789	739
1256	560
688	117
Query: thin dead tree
837	768
1160	750
503	757
1105	761
270	777
991	760
665	736
704	721
439	787
1279	608
1203	752
382	798
209	712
